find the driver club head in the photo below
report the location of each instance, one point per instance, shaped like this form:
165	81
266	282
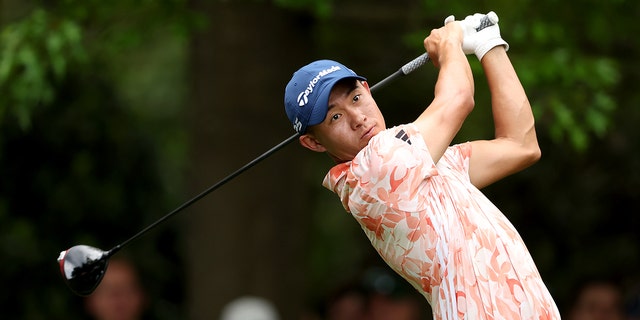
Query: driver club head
83	267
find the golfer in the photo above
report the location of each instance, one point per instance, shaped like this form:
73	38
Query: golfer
415	195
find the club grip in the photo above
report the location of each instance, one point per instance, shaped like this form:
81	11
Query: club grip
488	20
414	64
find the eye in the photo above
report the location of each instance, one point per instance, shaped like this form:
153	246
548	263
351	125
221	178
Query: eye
335	116
356	98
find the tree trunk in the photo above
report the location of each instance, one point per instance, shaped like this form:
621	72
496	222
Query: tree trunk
248	237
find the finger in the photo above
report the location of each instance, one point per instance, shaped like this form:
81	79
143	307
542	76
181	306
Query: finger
493	17
450	18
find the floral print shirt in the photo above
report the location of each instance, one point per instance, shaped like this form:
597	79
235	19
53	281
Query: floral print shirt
438	231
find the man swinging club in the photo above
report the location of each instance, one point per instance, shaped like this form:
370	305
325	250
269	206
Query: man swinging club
415	195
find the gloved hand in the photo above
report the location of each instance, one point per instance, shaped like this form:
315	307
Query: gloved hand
479	42
469	26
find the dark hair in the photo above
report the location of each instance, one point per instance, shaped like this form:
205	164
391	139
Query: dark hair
348	81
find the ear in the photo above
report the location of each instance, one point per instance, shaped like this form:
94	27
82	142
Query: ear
365	84
310	142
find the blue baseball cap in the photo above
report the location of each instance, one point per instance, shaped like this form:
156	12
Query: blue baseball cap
306	97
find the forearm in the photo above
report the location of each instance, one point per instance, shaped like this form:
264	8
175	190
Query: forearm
444	46
455	79
452	103
511	109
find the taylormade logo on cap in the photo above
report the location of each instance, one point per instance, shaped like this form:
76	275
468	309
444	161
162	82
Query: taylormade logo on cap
297	125
303	97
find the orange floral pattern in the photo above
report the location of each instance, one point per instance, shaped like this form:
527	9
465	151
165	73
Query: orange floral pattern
439	232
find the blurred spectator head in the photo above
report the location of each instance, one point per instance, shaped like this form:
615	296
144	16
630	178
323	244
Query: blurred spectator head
120	295
348	302
390	297
597	299
250	308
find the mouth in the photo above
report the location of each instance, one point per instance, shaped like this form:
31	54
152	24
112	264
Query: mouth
368	134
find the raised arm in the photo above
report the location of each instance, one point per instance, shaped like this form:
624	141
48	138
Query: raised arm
515	145
453	100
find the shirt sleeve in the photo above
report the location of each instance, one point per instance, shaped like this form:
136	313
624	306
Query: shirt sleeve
394	166
457	158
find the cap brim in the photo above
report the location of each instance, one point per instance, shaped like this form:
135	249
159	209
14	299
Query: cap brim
321	106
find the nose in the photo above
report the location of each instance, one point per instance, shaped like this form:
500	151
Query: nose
358	118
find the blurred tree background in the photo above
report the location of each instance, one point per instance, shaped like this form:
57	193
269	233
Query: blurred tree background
113	113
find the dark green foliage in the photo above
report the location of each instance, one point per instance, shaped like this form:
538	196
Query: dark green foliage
84	173
80	161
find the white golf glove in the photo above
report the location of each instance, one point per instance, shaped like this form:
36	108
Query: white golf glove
479	42
469	26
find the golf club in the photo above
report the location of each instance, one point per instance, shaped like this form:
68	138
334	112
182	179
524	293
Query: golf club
83	267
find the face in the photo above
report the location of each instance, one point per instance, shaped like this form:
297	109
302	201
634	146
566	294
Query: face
352	119
119	295
598	302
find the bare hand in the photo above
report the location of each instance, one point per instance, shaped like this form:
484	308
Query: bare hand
450	36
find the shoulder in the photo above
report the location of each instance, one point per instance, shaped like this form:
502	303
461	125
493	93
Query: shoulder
396	150
397	137
458	156
461	150
390	146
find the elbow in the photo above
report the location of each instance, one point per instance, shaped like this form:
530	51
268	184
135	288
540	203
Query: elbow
530	151
465	101
459	107
454	107
532	154
535	155
469	102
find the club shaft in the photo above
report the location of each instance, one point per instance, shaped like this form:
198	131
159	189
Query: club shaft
207	191
414	64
